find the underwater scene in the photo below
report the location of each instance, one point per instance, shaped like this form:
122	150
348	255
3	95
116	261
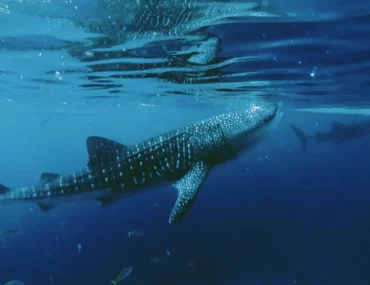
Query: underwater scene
192	142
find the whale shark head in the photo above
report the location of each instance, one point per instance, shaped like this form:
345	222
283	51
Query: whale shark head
246	128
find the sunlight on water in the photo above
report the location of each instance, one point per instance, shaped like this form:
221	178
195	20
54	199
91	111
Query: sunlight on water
84	46
343	111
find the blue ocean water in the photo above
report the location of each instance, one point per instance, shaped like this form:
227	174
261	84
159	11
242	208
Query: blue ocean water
276	215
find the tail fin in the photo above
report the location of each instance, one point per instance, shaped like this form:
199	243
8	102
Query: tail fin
303	138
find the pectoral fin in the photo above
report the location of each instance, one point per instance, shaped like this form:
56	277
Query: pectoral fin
188	187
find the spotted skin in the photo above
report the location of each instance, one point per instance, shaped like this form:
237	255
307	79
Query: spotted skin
186	186
173	17
184	156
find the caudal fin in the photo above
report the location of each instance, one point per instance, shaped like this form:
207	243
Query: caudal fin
300	134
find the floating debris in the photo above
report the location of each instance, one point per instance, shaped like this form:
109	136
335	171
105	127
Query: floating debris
123	275
191	264
157	260
135	233
168	252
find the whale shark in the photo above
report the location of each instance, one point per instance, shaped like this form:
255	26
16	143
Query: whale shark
183	157
338	133
118	22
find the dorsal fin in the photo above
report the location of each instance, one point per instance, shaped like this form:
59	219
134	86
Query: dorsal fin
101	150
47	177
4	189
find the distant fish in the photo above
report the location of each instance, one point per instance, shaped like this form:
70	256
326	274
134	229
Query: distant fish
168	252
79	247
157	260
14	282
123	275
191	264
9	233
135	233
44	122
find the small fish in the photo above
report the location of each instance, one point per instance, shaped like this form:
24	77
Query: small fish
43	122
157	260
135	233
191	264
168	252
123	275
10	233
79	247
14	282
